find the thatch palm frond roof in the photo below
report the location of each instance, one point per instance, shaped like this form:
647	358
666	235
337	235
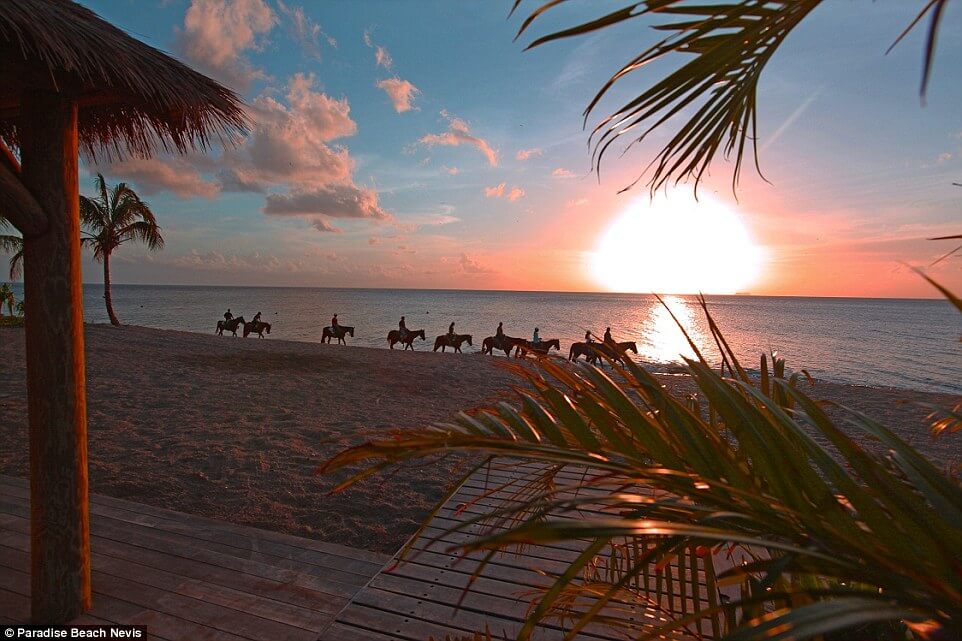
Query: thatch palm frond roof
132	97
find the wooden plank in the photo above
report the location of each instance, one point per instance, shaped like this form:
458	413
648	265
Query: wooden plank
283	585
345	632
335	582
9	483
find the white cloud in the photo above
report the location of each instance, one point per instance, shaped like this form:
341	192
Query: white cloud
459	133
401	93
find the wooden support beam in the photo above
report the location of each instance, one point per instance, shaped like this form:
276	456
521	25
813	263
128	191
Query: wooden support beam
56	393
16	203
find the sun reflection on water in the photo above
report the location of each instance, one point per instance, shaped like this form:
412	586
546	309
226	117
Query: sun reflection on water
663	341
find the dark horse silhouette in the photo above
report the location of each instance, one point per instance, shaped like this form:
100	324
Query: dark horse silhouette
444	341
394	337
505	343
231	325
256	327
591	350
342	330
523	347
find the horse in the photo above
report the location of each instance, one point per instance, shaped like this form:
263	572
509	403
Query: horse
523	347
394	337
339	333
256	327
505	343
230	325
444	341
591	351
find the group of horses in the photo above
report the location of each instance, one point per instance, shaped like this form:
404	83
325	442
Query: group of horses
592	352
253	327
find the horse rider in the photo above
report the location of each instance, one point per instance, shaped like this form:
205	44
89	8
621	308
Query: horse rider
334	325
402	329
499	334
588	337
451	333
608	338
535	338
257	317
228	316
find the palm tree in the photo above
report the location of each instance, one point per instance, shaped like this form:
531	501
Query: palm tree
13	245
731	43
112	218
7	298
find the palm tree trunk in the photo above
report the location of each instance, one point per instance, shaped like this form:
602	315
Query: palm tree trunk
56	391
107	299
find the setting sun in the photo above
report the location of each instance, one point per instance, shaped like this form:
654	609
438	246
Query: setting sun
675	244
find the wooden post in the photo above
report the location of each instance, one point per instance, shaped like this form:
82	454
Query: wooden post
59	526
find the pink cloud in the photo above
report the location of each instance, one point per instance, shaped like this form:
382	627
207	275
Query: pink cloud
524	154
453	171
373	240
337	201
320	224
290	142
216	33
307	32
459	133
501	190
562	173
495	192
401	93
383	58
470	265
154	175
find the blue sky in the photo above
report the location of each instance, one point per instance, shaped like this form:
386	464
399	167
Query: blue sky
860	171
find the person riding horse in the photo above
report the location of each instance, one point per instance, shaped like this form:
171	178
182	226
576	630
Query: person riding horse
228	316
589	338
608	339
257	318
334	324
499	334
451	334
402	329
535	338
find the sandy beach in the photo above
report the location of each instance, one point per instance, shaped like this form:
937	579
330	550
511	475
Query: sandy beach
232	429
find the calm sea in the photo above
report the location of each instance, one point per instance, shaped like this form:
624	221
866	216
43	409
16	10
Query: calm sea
898	343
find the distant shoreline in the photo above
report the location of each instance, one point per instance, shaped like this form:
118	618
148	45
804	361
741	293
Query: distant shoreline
934	297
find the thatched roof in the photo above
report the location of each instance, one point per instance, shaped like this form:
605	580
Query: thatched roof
132	97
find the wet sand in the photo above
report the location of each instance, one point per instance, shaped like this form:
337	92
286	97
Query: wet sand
233	429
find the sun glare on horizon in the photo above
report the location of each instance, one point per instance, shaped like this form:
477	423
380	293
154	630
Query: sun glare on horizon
677	245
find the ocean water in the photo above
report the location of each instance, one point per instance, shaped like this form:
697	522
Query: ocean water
897	343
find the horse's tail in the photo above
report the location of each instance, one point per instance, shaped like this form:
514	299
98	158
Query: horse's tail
571	352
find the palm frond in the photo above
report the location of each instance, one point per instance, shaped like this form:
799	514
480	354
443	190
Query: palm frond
13	245
835	537
713	97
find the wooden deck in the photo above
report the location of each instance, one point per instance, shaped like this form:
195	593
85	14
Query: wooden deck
191	578
187	577
417	598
